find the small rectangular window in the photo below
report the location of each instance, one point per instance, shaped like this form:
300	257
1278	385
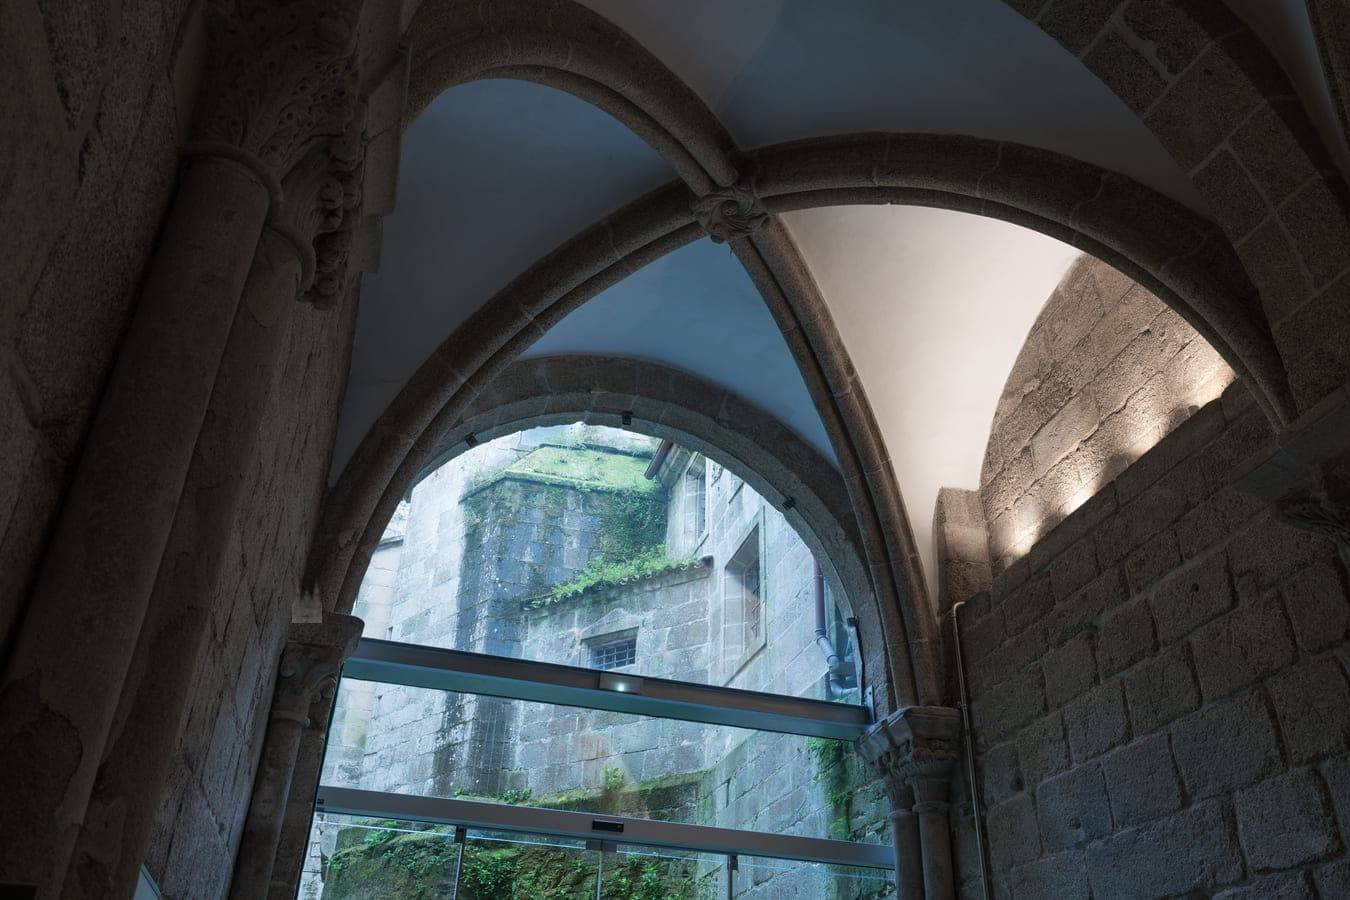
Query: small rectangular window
743	611
695	502
614	654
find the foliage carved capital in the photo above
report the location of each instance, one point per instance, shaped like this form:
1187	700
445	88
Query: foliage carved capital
281	76
310	663
913	747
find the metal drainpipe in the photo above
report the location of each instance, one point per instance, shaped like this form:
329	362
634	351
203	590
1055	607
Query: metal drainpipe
975	802
832	660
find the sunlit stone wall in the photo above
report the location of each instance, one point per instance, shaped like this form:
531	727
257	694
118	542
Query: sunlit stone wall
1105	373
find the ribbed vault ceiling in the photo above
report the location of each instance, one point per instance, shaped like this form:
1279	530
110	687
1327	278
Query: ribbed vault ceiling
932	305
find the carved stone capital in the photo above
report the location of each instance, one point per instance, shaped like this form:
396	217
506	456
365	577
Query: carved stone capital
731	212
321	211
280	77
310	663
914	750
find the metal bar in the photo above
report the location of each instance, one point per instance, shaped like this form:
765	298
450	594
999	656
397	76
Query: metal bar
972	779
615	829
414	665
461	837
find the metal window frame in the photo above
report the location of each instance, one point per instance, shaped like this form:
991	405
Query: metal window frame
623	830
415	665
602	653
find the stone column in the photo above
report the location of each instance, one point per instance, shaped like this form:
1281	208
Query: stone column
275	83
293	841
306	682
915	751
158	691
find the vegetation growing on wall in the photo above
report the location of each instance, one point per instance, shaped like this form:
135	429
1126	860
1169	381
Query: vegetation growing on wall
420	865
834	776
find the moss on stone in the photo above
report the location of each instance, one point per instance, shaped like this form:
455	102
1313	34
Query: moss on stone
580	468
397	865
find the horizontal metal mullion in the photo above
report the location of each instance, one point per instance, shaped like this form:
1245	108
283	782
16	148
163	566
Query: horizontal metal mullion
613	829
415	665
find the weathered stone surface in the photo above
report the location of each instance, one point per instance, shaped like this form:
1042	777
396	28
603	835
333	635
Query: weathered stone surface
1069	670
1126	637
1141	780
1225	746
1072	808
1312	704
1189	598
1002	776
1318	607
1279	887
1333	881
1096	721
1028	604
1194	849
1009	706
1061	875
1042	749
1014	837
1241	648
1286	821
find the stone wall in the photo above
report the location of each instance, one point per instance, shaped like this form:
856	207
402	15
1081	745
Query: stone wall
90	135
1160	689
200	818
1105	372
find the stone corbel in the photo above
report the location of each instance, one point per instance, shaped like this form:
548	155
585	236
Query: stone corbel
1306	475
731	212
321	213
915	751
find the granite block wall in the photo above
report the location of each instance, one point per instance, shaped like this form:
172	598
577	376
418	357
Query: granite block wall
1105	372
1160	688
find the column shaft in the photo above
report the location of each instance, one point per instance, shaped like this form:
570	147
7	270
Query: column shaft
158	690
932	811
908	845
266	810
306	682
61	683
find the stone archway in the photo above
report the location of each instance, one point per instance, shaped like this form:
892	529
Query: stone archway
1180	255
653	399
1219	102
1096	210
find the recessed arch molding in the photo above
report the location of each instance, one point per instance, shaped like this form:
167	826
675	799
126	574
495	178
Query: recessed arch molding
663	402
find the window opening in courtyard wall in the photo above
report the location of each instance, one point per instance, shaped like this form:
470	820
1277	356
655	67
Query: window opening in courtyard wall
600	548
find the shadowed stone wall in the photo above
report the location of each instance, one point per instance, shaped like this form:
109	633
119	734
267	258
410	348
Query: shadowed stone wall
1160	689
90	135
201	816
1106	371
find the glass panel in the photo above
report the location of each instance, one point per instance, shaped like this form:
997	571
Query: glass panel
500	865
537	544
351	858
640	873
785	879
444	744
